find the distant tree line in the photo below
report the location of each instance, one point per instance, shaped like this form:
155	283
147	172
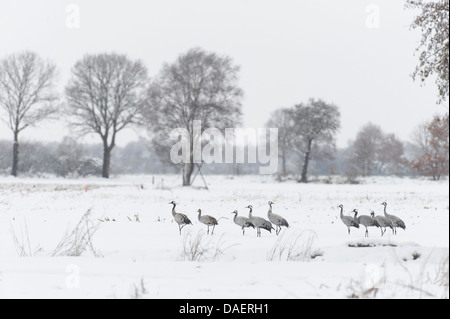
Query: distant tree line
371	153
73	159
70	158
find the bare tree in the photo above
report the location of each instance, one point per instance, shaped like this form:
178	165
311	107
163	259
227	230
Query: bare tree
391	155
26	93
433	22
365	149
433	143
420	138
283	120
105	95
316	123
198	86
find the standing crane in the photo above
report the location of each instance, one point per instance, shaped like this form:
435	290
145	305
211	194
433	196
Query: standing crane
366	221
347	220
242	221
383	222
397	222
276	219
259	222
181	219
207	220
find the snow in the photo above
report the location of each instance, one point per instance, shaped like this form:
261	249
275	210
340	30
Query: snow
147	258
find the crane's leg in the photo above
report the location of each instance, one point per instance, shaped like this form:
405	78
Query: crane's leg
243	230
367	233
207	232
348	230
179	227
213	229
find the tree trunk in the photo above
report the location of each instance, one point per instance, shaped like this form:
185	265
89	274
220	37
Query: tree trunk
304	178
283	161
363	169
236	170
15	162
106	160
186	170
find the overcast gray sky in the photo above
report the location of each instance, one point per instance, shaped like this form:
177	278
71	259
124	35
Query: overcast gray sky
357	54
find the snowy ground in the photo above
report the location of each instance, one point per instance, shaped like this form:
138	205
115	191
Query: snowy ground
147	258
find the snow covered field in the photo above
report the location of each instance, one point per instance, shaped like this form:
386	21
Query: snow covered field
134	249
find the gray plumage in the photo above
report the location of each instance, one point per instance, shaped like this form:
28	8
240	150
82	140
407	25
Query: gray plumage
207	220
384	222
242	221
366	221
259	222
397	222
276	219
347	220
181	219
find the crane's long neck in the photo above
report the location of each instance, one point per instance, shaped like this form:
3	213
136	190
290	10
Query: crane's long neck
173	209
270	209
385	214
199	214
250	213
342	210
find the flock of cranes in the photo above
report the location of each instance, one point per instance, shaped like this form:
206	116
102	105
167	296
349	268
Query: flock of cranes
259	223
379	221
243	222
